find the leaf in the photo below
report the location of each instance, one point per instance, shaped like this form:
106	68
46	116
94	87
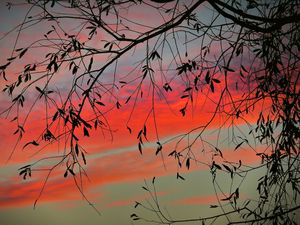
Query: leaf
52	3
22	53
85	132
184	96
40	90
207	77
55	116
3	67
212	87
136	204
139	134
159	148
228	198
153	180
243	68
240	163
182	111
172	153
22	172
76	149
118	105
31	143
188	163
106	44
133	215
228	69
213	206
146	189
239	145
178	176
83	157
127	100
71	171
19	49
75	69
140	148
227	168
100	103
90	64
23	167
237	193
188	89
216	80
129	129
217	166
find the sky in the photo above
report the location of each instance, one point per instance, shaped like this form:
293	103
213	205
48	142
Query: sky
116	169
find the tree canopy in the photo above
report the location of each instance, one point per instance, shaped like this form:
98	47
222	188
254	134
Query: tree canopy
89	60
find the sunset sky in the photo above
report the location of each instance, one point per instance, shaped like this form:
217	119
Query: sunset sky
116	169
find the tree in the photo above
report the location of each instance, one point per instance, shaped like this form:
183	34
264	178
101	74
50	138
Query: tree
242	56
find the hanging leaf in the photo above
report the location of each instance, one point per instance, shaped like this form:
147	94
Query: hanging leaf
76	149
179	176
31	143
239	145
159	148
71	171
212	87
153	180
22	53
228	69
90	64
85	132
100	103
129	129
136	204
207	77
140	148
83	158
188	163
216	80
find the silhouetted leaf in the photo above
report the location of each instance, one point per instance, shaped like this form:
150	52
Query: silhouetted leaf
3	67
228	69
207	77
140	148
71	171
90	64
227	168
136	204
133	215
76	149
31	143
86	132
129	129
100	103
22	53
179	176
216	80
188	163
83	157
127	100
212	88
153	180
66	174
239	145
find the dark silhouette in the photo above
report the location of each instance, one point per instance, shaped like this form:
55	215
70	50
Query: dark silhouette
242	55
